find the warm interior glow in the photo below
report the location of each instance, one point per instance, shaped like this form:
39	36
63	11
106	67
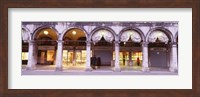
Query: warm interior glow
74	32
80	57
159	34
50	55
131	33
46	32
24	55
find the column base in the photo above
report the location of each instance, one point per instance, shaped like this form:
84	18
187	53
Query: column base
58	69
145	69
30	68
172	69
116	69
88	69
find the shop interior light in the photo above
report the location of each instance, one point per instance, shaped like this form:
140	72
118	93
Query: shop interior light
46	32
74	32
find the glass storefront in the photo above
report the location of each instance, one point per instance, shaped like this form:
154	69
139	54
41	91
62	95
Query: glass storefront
77	57
46	57
135	58
24	55
50	55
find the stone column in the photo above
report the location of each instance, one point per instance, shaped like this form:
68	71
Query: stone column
59	55
35	50
168	55
173	62
31	55
117	66
145	63
55	53
88	61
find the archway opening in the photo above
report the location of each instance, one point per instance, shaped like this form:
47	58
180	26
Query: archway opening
46	46
130	50
159	49
102	49
74	49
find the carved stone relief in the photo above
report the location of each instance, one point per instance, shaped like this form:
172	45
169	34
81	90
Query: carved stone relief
97	36
135	37
161	36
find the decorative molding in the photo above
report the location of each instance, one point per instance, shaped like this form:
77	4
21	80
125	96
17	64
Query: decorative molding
125	36
123	24
161	36
97	36
60	42
31	42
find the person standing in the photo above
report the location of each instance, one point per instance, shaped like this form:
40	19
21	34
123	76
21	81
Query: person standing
98	62
95	61
138	61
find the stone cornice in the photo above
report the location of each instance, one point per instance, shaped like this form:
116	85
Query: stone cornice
123	24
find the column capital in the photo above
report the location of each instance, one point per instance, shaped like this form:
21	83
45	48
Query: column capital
60	41
31	42
144	44
88	43
173	44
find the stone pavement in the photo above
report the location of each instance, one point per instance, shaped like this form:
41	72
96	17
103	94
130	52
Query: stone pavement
103	70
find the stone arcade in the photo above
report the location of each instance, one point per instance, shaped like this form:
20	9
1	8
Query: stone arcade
116	44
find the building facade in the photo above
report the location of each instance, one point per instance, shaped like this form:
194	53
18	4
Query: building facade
115	44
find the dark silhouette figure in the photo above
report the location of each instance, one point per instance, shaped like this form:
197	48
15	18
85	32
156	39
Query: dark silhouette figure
98	62
93	62
138	61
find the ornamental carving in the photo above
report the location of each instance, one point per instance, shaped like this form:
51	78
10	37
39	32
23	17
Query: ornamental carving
158	35
135	37
97	36
25	36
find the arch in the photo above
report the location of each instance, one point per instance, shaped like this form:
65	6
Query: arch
102	28
175	37
164	30
135	29
37	30
70	28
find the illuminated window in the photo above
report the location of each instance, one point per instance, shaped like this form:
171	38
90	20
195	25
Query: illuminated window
83	55
65	56
24	55
50	55
78	56
113	55
135	55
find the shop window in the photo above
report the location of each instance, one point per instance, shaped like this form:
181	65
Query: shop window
50	55
24	55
